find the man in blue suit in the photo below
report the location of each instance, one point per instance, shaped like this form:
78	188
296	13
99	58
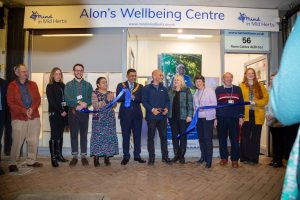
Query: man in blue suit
131	118
3	90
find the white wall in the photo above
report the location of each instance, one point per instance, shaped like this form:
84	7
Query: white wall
148	52
234	63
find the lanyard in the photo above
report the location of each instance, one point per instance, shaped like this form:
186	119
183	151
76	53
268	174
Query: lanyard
231	92
201	95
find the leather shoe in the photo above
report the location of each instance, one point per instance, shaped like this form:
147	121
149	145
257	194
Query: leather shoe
13	168
201	160
277	164
73	162
208	165
84	161
235	164
36	164
167	160
96	161
151	161
107	161
175	159
140	160
223	162
182	161
124	161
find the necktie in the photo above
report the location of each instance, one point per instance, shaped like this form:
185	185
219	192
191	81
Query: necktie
131	86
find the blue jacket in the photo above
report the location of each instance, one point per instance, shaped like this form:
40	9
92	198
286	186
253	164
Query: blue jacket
134	111
155	98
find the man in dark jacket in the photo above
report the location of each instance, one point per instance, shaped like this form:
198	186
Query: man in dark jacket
3	90
131	118
156	101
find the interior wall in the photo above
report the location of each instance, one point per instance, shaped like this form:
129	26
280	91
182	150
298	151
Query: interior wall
234	63
95	52
148	52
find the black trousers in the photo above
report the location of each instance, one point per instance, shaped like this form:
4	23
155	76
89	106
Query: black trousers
134	125
278	141
78	122
229	126
290	137
161	126
2	121
179	145
250	140
57	125
205	132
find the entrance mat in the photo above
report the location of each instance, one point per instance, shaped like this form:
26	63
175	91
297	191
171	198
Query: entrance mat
60	196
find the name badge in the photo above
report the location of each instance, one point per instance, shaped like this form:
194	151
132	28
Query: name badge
230	101
79	97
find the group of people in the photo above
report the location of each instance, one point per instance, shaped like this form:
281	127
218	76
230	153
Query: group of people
176	105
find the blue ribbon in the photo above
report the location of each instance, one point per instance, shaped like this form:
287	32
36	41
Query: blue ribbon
114	101
195	118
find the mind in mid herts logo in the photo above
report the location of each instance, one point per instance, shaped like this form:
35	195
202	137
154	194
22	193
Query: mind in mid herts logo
35	15
244	18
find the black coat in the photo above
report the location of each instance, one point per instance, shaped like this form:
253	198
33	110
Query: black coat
55	96
135	108
3	87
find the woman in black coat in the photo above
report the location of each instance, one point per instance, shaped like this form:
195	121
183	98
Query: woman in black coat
57	114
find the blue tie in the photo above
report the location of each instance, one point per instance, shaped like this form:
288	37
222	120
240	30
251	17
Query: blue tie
131	86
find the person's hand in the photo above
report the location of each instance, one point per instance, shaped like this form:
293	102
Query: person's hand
165	111
132	97
28	113
83	104
269	117
188	119
155	111
63	114
252	103
110	96
241	122
101	104
79	107
215	123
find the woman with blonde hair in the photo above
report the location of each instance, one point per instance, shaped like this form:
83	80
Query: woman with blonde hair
180	115
57	114
258	96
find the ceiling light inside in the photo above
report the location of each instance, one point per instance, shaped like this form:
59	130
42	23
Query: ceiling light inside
186	36
68	35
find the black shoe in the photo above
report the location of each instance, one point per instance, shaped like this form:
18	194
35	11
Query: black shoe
106	161
73	162
208	165
13	168
175	159
182	161
1	171
53	150
140	160
166	160
96	161
271	163
59	156
84	161
124	161
277	164
151	161
201	160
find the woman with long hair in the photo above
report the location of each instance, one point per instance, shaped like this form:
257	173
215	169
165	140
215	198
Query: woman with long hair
104	140
258	96
180	115
57	114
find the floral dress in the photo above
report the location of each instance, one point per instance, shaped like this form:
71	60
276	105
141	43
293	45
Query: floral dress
104	140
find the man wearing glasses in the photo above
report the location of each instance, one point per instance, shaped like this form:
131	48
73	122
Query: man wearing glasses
78	94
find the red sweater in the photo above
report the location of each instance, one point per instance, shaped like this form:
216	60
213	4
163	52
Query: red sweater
16	106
